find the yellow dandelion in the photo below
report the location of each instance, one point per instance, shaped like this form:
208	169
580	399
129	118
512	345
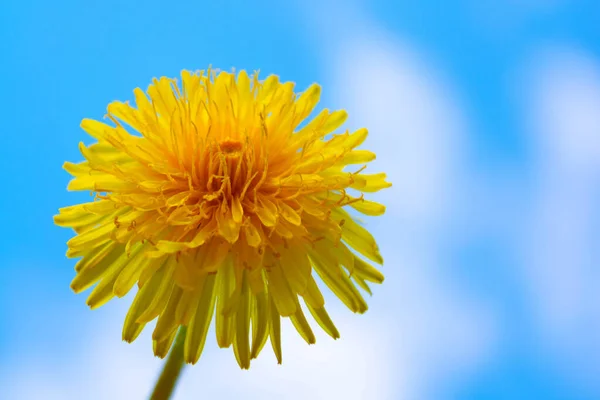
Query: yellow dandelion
213	198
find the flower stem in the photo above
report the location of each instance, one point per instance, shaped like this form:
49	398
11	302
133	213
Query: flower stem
172	369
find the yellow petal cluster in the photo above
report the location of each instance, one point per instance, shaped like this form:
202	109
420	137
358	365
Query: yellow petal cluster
220	202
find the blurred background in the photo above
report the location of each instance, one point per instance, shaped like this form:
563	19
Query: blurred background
486	116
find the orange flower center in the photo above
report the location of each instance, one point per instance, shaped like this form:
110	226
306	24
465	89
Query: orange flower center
229	146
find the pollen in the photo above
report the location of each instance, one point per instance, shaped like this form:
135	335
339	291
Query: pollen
229	146
219	202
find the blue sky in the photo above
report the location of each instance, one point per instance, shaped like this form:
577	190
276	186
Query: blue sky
484	114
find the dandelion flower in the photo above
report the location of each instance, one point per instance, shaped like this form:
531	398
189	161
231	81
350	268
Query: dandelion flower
218	202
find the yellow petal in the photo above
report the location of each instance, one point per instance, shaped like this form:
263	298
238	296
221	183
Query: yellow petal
321	125
100	207
256	280
178	199
241	345
268	88
228	228
162	293
92	238
144	106
283	230
370	183
100	131
260	322
361	282
143	299
281	292
307	101
322	318
162	96
289	214
189	302
225	288
275	330
237	211
102	262
252	234
203	234
75	219
81	168
213	254
341	252
198	327
367	271
301	324
357	237
94	256
130	274
161	348
103	292
355	139
299	180
185	275
312	295
335	120
167	321
101	183
127	114
296	267
267	213
357	157
342	287
368	207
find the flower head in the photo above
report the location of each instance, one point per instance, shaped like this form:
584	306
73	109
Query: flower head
213	198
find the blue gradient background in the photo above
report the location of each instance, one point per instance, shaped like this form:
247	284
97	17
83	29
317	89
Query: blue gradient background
497	65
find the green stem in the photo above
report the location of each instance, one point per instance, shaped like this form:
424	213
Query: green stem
171	370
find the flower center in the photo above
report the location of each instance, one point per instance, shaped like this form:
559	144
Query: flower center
229	146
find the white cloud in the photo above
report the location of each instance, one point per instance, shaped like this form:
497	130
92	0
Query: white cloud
417	129
414	122
442	336
566	91
100	367
562	254
353	367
